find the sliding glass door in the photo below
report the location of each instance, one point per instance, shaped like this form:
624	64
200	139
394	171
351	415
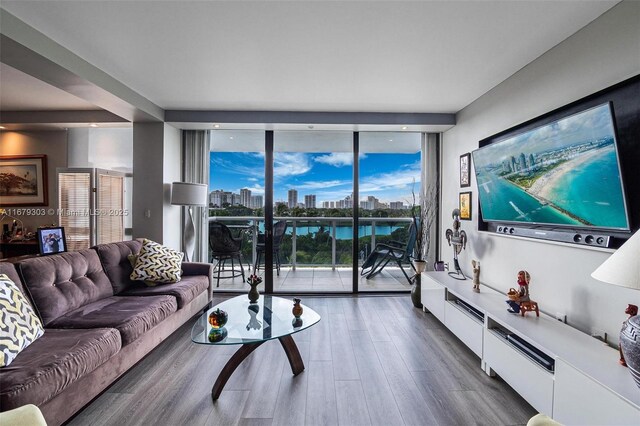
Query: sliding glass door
313	195
308	185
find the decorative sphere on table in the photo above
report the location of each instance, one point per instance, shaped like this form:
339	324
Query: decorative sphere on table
217	334
218	318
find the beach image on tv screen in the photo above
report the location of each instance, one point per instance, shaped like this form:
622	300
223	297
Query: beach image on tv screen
563	173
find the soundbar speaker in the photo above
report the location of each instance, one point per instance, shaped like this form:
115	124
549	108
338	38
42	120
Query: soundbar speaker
583	238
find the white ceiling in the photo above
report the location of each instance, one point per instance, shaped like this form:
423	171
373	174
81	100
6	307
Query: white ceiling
395	56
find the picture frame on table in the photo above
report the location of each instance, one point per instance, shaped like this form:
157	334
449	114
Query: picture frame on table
51	240
465	170
23	180
465	205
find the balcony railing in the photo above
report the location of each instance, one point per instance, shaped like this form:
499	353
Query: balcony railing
316	234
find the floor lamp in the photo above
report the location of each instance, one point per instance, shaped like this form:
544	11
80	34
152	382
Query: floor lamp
188	194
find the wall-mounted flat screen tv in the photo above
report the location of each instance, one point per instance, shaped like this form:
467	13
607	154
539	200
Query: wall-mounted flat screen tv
565	173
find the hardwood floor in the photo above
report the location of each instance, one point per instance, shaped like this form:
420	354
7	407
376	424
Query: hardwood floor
371	360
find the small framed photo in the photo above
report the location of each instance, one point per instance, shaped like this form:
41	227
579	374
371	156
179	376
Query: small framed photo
465	206
24	180
465	169
51	240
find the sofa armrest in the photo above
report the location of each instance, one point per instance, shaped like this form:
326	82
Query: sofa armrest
197	268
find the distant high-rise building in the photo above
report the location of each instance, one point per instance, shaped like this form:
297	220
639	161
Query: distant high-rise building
235	199
514	164
292	198
372	203
256	201
219	197
396	205
523	161
532	160
310	201
245	197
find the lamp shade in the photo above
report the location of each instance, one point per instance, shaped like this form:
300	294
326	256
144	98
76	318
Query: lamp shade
622	267
188	194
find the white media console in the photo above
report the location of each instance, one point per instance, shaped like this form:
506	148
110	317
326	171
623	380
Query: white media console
561	371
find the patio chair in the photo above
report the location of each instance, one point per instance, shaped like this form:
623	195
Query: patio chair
396	251
224	247
279	229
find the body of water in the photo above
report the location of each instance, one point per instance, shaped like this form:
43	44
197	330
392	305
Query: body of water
591	192
346	232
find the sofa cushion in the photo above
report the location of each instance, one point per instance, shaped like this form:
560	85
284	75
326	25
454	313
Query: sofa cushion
157	263
20	326
184	291
53	362
131	316
64	282
115	263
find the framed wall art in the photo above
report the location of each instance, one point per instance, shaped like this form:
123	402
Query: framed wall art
465	206
23	180
465	170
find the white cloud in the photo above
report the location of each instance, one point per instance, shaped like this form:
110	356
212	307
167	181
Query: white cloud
337	159
322	184
251	179
402	179
290	164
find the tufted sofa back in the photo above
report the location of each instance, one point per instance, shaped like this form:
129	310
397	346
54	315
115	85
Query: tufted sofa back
113	257
61	283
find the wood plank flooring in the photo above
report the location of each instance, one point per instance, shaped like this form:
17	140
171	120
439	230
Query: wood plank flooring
372	360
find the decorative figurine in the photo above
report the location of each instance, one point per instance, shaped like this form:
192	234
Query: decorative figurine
254	281
476	275
218	318
297	308
519	300
457	239
632	311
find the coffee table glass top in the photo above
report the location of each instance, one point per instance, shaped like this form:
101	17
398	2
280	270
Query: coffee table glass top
269	318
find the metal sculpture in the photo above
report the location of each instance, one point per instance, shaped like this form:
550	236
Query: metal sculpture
458	239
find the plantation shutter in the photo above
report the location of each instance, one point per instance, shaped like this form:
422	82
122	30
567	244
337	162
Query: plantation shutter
74	203
110	207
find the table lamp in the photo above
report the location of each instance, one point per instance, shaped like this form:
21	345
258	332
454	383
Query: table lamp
623	268
188	194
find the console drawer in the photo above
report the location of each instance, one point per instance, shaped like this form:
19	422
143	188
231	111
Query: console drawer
531	381
466	328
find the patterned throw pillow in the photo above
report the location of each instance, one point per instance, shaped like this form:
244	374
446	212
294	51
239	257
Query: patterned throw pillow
132	260
157	263
20	325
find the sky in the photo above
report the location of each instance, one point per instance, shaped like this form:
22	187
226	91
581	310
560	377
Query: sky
388	177
594	123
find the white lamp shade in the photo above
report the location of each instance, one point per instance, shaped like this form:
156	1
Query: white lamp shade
188	194
623	267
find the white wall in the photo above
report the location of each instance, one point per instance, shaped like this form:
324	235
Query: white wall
110	148
603	53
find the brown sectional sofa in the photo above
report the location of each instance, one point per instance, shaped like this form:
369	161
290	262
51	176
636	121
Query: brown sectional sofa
98	323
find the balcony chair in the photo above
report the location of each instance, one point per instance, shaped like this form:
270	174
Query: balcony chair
384	253
279	229
224	246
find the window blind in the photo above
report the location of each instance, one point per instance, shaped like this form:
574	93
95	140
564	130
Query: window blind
110	208
74	202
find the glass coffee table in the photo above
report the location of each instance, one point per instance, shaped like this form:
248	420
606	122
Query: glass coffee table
250	325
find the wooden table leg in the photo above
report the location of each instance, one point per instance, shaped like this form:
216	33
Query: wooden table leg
231	365
290	348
